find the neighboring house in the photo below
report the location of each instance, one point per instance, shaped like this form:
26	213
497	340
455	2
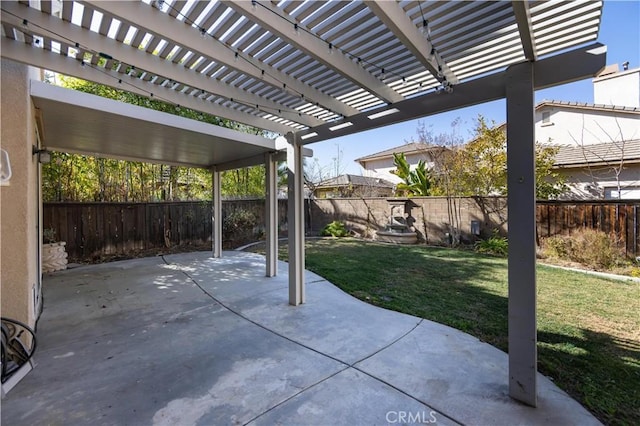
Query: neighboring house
380	164
582	124
605	170
600	142
345	186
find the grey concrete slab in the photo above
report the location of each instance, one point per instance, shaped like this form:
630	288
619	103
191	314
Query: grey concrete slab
200	362
234	276
101	299
325	323
191	340
467	379
331	321
354	398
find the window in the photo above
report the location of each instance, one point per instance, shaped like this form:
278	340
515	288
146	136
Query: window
626	193
546	118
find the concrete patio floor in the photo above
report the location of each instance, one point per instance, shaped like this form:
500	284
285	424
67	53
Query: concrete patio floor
190	340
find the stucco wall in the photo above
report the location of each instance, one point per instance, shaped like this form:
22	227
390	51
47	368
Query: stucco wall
381	168
581	182
367	215
18	200
582	127
622	89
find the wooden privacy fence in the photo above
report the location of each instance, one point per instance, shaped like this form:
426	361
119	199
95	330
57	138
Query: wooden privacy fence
617	218
92	230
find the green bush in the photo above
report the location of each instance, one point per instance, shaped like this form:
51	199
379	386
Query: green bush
495	245
589	247
49	235
334	229
240	220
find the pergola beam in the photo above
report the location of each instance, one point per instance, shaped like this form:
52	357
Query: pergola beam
275	21
153	21
397	21
23	53
564	68
95	42
523	19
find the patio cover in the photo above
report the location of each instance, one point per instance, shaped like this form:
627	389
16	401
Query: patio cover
314	70
77	122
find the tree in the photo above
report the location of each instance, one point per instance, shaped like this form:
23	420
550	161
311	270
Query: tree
549	183
611	166
446	182
248	181
479	168
416	182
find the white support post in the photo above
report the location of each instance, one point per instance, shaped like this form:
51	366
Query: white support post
521	204
216	228
271	209
295	221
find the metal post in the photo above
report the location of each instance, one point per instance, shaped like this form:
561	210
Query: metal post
216	229
521	204
295	221
271	209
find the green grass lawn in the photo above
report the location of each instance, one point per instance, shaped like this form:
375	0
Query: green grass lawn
588	327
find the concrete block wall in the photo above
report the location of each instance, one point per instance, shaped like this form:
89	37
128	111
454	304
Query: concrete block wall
431	215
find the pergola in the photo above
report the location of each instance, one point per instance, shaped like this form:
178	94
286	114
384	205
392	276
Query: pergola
308	71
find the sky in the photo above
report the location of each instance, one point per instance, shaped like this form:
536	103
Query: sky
619	31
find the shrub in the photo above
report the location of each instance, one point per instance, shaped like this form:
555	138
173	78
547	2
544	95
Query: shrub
49	235
239	220
334	229
495	245
557	247
589	247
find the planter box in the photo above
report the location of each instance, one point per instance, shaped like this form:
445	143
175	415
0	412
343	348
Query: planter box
54	257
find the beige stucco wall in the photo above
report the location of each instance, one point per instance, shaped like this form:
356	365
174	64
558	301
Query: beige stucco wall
18	201
381	168
598	182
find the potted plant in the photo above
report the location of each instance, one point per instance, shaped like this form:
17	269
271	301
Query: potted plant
54	254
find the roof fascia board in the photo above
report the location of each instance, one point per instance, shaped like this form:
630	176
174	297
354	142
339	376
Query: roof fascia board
394	17
604	164
589	107
385	155
59	94
564	68
140	59
20	52
160	24
523	19
272	19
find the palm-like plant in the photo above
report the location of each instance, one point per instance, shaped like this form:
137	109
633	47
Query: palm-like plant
417	182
